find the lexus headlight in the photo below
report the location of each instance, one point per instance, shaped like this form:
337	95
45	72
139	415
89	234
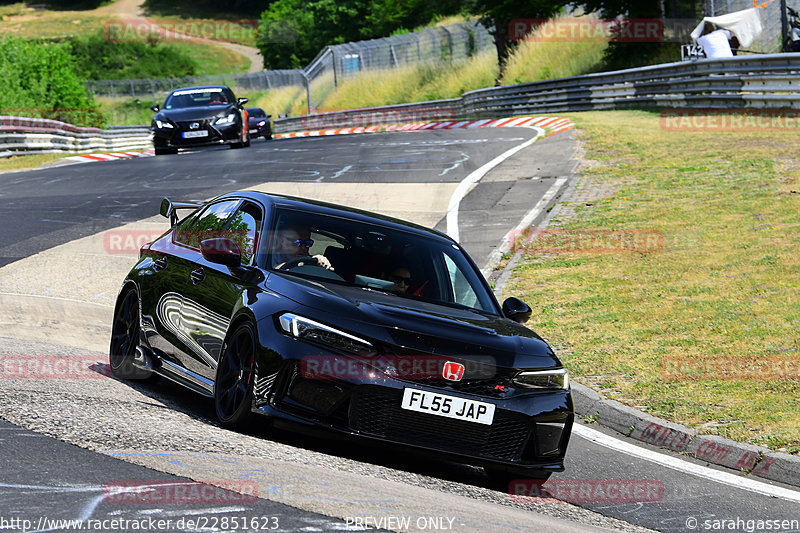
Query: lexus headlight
226	120
310	330
162	124
543	379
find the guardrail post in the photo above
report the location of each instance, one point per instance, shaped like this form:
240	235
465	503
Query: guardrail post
308	91
449	42
333	63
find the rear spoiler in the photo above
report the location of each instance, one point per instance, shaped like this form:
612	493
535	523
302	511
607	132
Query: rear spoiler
169	209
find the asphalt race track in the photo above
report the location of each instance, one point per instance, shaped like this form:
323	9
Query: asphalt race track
58	279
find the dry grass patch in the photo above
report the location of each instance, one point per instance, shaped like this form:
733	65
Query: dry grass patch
722	294
28	162
277	101
539	59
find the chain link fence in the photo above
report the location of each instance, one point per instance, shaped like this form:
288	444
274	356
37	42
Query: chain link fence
452	43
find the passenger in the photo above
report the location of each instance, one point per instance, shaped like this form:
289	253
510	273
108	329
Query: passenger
401	277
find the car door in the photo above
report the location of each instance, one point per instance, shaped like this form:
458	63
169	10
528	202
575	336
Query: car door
211	291
158	281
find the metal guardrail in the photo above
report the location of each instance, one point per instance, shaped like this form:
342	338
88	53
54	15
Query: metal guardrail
756	82
371	116
26	135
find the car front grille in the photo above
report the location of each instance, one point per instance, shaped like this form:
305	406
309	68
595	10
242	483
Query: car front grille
376	411
186	126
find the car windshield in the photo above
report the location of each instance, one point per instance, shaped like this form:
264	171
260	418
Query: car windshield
197	98
256	113
376	257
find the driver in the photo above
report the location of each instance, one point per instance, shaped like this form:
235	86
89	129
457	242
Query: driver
293	242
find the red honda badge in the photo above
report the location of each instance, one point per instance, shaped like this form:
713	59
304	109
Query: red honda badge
453	371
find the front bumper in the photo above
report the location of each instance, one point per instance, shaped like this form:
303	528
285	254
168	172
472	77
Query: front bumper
260	131
205	134
529	431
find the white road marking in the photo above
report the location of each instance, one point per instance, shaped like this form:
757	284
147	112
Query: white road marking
42	296
474	177
527	220
342	171
739	482
464	159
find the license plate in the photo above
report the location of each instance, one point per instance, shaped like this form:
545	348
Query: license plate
190	134
448	406
254	131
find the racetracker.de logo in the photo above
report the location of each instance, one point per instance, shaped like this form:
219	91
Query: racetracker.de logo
587	241
730	120
234	491
588	490
587	29
409	367
741	368
52	367
178	30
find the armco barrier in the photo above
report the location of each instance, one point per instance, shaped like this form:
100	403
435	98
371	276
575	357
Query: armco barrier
38	135
758	82
372	116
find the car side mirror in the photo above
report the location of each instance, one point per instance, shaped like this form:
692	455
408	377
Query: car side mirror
269	116
155	108
241	101
516	310
168	211
222	251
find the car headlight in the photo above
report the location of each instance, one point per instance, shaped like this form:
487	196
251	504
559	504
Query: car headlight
262	123
163	124
310	330
543	379
226	120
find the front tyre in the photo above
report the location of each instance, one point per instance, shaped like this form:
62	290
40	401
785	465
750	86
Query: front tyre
125	330
233	386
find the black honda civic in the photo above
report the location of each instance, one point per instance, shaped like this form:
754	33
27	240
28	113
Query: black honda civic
346	321
199	116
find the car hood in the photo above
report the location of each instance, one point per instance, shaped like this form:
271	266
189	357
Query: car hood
195	113
415	326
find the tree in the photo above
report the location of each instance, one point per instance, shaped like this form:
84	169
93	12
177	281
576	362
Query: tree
292	32
498	15
620	54
38	79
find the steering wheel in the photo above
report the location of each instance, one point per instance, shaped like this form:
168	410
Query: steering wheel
299	261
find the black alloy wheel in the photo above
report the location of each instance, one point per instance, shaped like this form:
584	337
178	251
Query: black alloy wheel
125	338
233	388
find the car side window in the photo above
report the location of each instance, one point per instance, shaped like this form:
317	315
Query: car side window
245	228
462	291
209	223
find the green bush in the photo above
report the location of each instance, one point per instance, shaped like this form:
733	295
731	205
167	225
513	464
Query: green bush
97	58
38	79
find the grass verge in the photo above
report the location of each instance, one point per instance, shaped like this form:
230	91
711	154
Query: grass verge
20	20
671	330
537	59
416	83
125	111
28	162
